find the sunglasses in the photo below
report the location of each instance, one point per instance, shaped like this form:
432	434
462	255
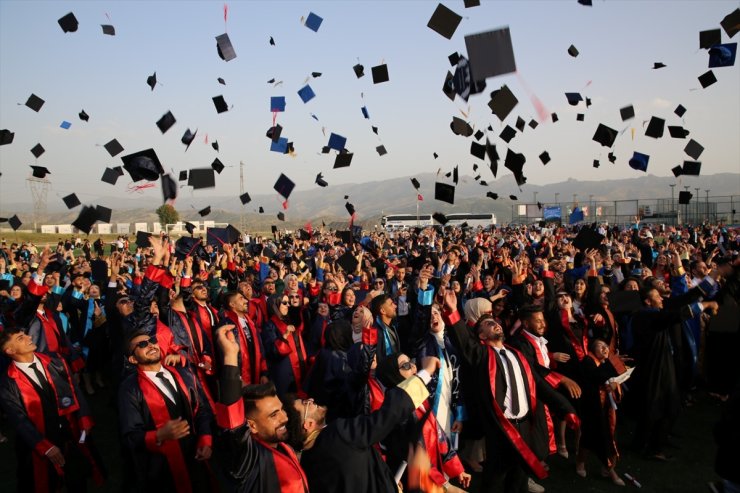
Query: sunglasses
378	283
145	343
306	403
332	288
284	302
406	365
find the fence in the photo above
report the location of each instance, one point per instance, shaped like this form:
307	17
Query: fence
714	209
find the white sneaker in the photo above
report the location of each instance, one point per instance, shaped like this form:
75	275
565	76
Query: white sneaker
533	487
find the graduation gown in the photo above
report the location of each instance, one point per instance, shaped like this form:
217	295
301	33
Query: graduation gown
288	362
252	363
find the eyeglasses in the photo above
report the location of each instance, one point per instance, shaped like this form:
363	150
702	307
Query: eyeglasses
306	403
145	343
284	302
332	288
406	365
378	283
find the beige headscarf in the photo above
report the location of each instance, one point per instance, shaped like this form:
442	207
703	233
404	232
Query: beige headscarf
475	308
361	318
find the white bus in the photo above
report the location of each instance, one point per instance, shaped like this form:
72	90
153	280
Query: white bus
393	222
473	219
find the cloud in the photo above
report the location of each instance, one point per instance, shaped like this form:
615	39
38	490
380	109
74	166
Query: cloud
661	103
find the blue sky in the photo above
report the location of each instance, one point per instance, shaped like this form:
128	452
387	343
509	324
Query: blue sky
618	42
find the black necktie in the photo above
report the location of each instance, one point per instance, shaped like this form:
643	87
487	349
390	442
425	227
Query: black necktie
43	382
512	384
168	386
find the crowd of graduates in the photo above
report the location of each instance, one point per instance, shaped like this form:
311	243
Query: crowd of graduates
366	361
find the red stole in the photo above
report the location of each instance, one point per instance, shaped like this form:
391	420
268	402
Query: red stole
290	475
293	351
512	433
51	332
204	314
548	418
580	347
436	447
160	415
197	354
249	370
376	395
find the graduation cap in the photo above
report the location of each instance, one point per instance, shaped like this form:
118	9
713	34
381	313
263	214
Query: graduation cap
284	186
65	125
281	216
187	138
225	48
731	23
110	176
605	135
677	171
435	155
113	148
6	137
166	122
490	53
444	21
533	124
14	222
142	239
596	163
380	74
627	112
205	212
221	81
350	208
658	65
513	197
478	150
306	93
108	29
455	176
315	74
507	134
492	156
471	3
217	166
707	79
693	149
639	161
709	38
343	159
143	165
415	183
245	198
189	227
320	181
454	58
573	51
365	112
520	124
545	157
37	150
220	236
220	103
492	195
68	23
313	22
40	171
554	117
691	168
190	247
684	197
680	110
573	98
273	133
515	163
169	188
479	134
381	150
587	238
444	192
580	117
84	116
336	141
655	127
440	218
722	55
214	144
359	70
35	103
502	102
151	80
461	127
678	132
261	210
200	178
612	157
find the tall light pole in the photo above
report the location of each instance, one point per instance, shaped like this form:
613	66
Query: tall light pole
673	204
698	200
686	207
706	205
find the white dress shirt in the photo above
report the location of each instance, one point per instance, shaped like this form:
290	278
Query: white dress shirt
523	403
152	375
26	368
542	346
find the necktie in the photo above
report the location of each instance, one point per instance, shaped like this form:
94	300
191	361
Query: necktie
512	384
43	382
170	388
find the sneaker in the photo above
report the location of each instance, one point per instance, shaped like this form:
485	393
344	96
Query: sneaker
533	487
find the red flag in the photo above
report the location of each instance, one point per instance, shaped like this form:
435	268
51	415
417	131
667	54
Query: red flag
419	197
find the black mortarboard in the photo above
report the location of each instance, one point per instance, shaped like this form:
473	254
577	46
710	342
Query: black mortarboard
539	205
199	178
71	201
103	213
190	227
444	192
374	129
220	103
380	74
492	156
37	150
224	47
691	168
707	79
520	123
166	122
492	195
187	138
709	38
454	58
142	239
478	150
261	210
596	163
284	186
655	128
475	166
639	161
587	238
513	197
217	166
533	124
381	150
515	163
612	157
479	135
281	216
455	175
108	29
573	98
440	218
677	170
435	155
110	176
113	148
272	41
183	175
448	88
320	181
658	65
588	102
214	144
343	159
471	3
34	102
221	81
444	21
605	135
731	23
350	208
580	117
415	183
192	247
169	187
693	149
502	102
40	171
554	117
220	236
545	157
627	112
680	110
347	261
6	137
151	80
684	197
273	133
359	70
14	222
274	229
722	55
678	132
315	74
84	116
507	134
245	198
205	212
573	51
68	23
461	127
143	165
490	53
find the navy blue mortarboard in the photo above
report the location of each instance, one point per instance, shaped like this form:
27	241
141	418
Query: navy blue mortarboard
722	55
284	186
313	22
306	93
337	142
639	161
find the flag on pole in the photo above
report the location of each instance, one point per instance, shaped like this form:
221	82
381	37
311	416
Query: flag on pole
419	197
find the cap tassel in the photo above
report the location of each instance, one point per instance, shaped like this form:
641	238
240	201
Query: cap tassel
542	112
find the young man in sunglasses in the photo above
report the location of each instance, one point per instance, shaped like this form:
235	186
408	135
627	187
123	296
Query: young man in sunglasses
165	421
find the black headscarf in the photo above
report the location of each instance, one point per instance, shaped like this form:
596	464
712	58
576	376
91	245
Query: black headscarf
387	371
339	335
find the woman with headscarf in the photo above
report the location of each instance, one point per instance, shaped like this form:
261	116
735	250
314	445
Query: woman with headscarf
282	342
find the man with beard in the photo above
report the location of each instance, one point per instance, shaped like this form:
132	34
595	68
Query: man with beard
197	303
251	362
165	421
512	402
